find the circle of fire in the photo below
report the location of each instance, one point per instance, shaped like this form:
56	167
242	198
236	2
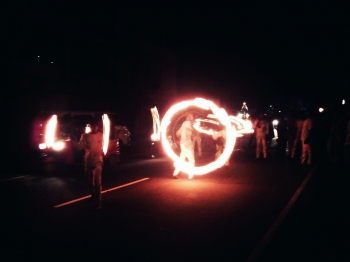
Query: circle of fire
220	114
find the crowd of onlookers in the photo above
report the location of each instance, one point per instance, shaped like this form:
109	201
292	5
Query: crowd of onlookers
307	135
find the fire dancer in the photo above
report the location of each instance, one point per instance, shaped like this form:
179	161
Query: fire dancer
220	142
186	144
93	160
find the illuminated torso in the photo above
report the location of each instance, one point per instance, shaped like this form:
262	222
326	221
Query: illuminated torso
92	144
307	126
186	132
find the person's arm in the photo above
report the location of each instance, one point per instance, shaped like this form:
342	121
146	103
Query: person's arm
81	144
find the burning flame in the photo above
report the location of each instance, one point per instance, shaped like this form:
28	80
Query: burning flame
50	131
87	129
243	126
222	117
106	130
156	124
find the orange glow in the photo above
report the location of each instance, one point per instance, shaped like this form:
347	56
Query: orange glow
59	145
106	130
222	117
50	131
156	124
243	126
42	145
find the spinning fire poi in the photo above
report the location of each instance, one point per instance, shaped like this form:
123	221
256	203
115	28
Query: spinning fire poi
208	108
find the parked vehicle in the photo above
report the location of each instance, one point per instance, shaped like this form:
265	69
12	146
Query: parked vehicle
52	132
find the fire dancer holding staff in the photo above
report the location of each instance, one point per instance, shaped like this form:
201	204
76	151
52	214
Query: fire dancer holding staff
93	160
186	144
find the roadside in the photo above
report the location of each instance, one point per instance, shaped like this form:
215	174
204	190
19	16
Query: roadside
317	226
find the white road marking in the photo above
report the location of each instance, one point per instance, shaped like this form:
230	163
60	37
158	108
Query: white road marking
104	191
268	236
12	178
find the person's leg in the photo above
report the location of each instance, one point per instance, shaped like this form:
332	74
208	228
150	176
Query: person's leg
304	152
199	145
264	147
182	157
97	174
309	154
90	181
217	153
258	147
190	156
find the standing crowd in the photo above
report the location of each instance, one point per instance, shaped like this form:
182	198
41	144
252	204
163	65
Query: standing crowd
316	136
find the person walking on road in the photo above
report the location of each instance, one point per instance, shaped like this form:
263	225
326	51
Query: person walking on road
186	144
307	139
261	128
297	140
93	160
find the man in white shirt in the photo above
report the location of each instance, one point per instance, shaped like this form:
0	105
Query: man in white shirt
186	144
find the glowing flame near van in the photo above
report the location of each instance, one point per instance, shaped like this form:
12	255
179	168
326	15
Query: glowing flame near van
50	131
222	117
156	124
106	130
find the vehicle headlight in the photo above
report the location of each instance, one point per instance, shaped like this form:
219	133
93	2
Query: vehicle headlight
58	145
42	146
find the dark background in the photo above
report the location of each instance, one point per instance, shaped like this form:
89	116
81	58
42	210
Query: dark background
289	54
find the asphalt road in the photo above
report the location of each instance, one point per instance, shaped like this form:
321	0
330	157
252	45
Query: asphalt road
267	210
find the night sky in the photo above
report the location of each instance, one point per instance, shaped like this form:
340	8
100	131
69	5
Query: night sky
253	50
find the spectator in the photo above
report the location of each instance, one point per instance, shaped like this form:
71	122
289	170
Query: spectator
261	128
291	130
297	140
307	136
197	140
282	136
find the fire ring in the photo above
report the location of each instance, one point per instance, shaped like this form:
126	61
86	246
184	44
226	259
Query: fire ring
220	114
